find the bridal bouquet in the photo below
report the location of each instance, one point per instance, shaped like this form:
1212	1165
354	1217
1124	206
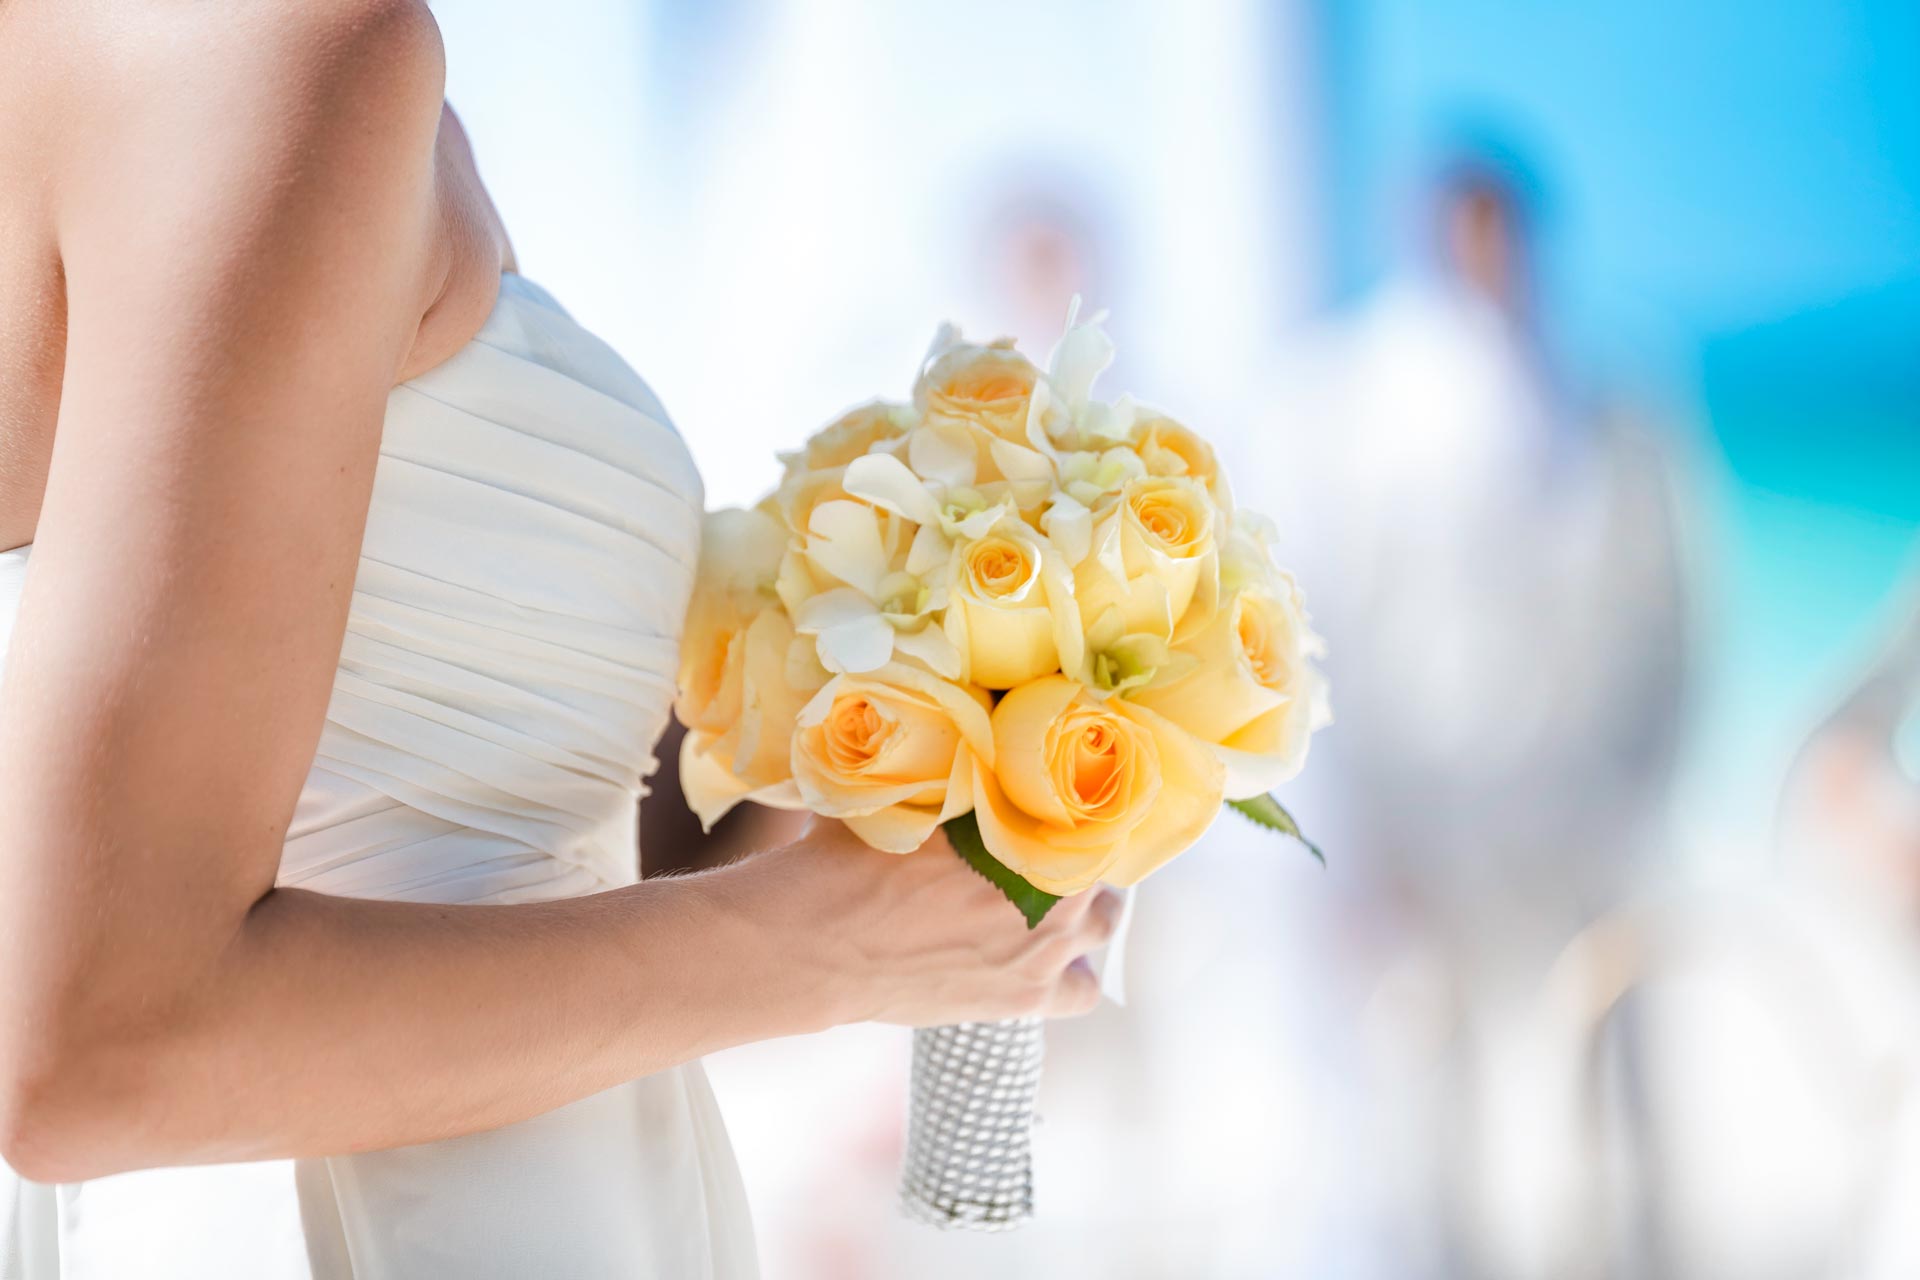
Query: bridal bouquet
1024	615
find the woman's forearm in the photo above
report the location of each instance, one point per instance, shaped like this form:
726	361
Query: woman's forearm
331	1024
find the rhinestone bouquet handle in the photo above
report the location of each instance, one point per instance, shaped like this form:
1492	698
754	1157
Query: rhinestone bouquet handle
970	1129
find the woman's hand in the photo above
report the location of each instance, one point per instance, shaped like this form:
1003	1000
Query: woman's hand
922	939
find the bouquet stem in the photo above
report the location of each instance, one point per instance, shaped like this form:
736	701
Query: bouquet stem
970	1130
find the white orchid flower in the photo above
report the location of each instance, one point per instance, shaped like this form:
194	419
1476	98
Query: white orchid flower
854	635
1088	482
1083	353
1091	477
1063	407
946	507
884	606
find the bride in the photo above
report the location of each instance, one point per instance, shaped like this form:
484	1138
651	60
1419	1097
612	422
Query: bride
339	623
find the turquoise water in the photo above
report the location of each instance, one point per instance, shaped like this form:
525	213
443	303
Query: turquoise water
1812	542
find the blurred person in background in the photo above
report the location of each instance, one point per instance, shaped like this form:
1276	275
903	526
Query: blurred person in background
1494	560
1040	247
1751	1053
1852	808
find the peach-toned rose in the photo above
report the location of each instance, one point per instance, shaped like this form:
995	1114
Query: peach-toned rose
890	753
1083	789
1249	688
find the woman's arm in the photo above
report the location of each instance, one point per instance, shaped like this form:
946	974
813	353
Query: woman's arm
251	228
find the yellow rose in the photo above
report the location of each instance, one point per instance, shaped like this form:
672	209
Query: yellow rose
1082	790
740	553
738	744
794	500
890	753
973	404
848	437
985	387
1170	449
1248	688
1010	609
738	692
1155	560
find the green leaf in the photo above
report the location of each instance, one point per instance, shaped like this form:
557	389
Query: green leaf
964	832
1269	813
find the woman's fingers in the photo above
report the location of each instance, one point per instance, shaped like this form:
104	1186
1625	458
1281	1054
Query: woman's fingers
1088	926
1077	992
1085	922
1103	918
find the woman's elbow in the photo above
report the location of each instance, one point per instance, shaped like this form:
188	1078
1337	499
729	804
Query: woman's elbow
31	1139
65	1118
26	1145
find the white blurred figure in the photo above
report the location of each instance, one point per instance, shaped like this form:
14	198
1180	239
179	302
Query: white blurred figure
1773	1040
1851	815
1494	563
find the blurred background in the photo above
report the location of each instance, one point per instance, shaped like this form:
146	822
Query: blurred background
1575	347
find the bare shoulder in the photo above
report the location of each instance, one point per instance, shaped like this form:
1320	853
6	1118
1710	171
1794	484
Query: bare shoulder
72	55
267	77
235	126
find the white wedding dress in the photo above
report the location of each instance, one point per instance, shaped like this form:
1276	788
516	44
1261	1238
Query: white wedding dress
507	667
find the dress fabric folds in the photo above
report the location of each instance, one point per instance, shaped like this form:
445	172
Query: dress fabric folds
507	667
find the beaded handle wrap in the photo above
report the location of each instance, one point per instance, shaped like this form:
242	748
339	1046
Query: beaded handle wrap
970	1132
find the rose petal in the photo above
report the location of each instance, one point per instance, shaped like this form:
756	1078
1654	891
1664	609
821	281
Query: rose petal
1193	782
757	746
970	713
711	789
1020	729
1032	849
1006	646
897	828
